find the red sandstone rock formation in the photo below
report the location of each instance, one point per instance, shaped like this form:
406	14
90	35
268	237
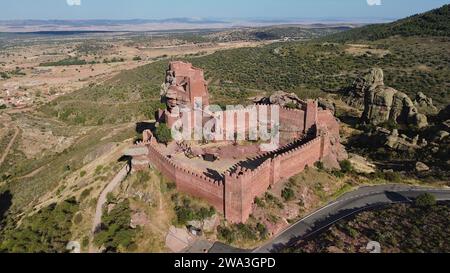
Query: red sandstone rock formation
183	84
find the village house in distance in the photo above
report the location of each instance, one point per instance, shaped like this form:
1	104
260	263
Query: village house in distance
229	174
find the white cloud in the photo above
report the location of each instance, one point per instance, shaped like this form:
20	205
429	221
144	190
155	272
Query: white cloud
374	2
73	2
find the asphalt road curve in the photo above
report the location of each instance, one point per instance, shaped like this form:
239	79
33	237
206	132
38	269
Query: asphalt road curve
351	203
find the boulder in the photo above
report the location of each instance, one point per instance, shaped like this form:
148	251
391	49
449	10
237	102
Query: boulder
355	94
386	104
395	141
361	165
334	250
210	224
441	135
280	98
421	167
418	120
424	103
327	104
178	239
195	224
138	219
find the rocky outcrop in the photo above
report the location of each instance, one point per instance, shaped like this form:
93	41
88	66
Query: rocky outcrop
280	98
398	142
441	130
444	118
424	104
383	104
361	165
291	100
355	94
421	167
327	104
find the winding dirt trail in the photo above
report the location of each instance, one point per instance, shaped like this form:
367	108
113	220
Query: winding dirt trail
10	144
120	176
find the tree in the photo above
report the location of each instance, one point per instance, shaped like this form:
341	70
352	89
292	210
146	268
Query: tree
47	231
163	134
287	194
425	200
346	166
116	233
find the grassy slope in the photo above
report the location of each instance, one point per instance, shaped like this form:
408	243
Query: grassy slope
433	23
414	64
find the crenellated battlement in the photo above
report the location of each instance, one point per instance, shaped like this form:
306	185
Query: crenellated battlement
316	133
272	168
187	171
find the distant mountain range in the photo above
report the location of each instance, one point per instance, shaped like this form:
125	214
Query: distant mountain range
160	24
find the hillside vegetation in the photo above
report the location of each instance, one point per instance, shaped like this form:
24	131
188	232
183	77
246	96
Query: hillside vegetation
417	62
101	117
432	23
46	231
402	228
411	65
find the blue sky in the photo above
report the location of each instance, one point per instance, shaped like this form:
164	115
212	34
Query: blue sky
157	9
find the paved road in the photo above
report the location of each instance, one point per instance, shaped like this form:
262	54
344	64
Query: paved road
120	176
350	203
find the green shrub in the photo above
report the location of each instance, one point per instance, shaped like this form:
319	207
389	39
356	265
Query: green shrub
226	234
187	211
110	198
425	200
78	218
259	202
116	234
262	229
98	170
85	194
291	105
65	62
47	231
392	177
319	165
346	166
288	194
85	242
163	134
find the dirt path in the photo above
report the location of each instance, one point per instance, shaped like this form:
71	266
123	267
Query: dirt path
10	144
120	176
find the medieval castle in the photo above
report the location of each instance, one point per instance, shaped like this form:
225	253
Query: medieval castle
310	134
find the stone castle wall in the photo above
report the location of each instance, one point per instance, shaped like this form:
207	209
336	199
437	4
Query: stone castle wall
296	121
316	132
235	193
242	186
187	180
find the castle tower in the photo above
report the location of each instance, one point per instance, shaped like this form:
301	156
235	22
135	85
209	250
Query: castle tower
311	115
238	206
